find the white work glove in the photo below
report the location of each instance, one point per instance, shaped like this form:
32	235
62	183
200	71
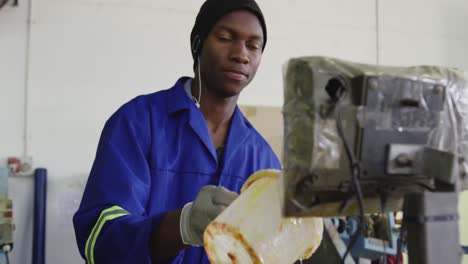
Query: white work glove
195	216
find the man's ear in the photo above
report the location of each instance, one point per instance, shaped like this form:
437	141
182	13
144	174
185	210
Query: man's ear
196	45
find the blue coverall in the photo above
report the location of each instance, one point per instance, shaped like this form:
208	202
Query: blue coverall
154	155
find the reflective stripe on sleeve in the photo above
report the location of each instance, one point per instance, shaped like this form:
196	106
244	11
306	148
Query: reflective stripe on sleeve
106	215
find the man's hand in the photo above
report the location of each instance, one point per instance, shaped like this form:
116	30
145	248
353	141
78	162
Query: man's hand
210	202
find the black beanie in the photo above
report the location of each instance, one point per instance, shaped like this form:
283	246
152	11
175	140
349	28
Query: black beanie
211	11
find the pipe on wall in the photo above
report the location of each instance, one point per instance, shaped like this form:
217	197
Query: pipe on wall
39	225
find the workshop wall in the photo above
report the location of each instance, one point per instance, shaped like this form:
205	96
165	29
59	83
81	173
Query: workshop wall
13	35
67	65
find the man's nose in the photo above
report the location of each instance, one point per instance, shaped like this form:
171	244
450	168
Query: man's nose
239	53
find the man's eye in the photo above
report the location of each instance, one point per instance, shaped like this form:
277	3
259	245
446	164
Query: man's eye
254	46
224	38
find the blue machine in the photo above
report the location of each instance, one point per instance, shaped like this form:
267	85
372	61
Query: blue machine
379	239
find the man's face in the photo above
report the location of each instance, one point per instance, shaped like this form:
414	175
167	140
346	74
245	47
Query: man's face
231	53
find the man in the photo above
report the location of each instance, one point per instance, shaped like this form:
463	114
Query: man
169	162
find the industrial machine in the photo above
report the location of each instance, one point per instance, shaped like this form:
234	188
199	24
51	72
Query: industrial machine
6	217
22	167
364	139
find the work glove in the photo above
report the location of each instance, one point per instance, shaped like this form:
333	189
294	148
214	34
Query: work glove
195	216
